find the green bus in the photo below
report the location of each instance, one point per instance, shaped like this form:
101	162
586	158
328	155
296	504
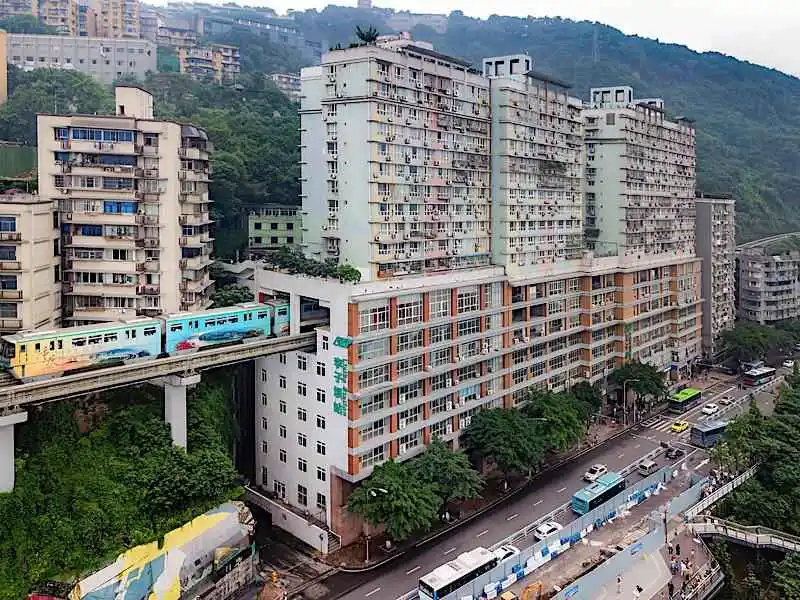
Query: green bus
682	401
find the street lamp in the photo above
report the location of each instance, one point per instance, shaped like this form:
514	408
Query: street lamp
373	492
625	400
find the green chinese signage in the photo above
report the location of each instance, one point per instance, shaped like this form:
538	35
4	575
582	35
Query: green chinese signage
340	384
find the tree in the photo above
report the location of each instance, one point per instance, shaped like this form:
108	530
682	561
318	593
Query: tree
505	437
395	497
368	36
786	577
231	294
26	24
646	381
449	473
556	418
588	395
748	341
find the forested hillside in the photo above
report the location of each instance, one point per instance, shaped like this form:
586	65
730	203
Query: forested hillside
748	117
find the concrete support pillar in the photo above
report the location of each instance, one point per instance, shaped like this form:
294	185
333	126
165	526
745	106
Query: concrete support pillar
7	449
175	405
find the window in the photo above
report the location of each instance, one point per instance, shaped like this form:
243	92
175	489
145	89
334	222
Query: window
321	474
282	358
321	501
373	376
373	349
302	362
302	440
302	495
320	421
302	465
282	382
8	223
407	341
263	375
273	226
282	407
407	366
321	368
280	489
264	476
302	415
263	399
282	455
321	396
409	310
324	343
468	301
373	319
441	333
301	388
321	448
264	448
282	431
439	302
264	423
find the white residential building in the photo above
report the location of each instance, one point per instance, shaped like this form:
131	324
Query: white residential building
716	246
768	280
132	195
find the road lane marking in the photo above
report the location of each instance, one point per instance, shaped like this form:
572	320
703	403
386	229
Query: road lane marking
375	591
561	490
446	552
621	455
512	517
538	502
417	568
484	532
637	446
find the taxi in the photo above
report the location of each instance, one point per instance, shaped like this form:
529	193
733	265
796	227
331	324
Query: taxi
679	426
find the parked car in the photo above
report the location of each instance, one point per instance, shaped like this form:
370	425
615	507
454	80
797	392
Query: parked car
710	409
679	426
726	400
674	453
789	364
503	553
594	472
546	530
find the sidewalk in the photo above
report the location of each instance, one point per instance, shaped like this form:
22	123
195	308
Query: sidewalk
690	548
651	574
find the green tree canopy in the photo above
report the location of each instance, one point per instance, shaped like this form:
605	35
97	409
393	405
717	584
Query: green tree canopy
504	436
644	379
556	418
394	496
449	473
749	341
231	294
26	24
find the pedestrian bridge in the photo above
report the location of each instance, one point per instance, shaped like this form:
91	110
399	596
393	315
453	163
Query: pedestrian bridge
754	536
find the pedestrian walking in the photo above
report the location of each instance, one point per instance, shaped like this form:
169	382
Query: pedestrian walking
677	549
669	548
691	555
670	590
619	583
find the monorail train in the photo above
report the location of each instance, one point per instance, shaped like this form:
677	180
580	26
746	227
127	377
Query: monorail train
34	355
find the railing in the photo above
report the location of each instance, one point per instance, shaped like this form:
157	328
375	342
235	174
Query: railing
14	398
720	492
750	535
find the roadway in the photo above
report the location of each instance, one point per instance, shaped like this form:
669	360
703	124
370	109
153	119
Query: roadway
554	490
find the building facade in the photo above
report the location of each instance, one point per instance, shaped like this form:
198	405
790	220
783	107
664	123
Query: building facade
272	227
459	196
87	18
132	195
715	240
103	58
217	62
118	18
287	83
768	282
176	37
30	264
61	15
12	8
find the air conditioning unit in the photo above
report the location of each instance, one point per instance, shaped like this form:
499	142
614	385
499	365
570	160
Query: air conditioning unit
449	405
429	368
449	382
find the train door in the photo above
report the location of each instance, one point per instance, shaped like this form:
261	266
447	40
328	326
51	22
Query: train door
22	358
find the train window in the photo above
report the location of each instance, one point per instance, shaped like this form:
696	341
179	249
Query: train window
263	315
37	347
283	311
95	339
22	348
209	323
109	337
150	331
177	327
133	334
79	342
233	320
8	350
60	344
52	345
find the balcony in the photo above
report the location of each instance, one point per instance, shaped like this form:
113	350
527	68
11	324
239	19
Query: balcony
195	287
195	219
196	262
148	290
147	219
192	153
10	265
100	289
93	147
195	198
150	266
10	294
10	236
190	175
10	324
147	242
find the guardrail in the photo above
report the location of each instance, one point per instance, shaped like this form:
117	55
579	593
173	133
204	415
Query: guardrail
714	496
743	399
750	535
13	398
528	529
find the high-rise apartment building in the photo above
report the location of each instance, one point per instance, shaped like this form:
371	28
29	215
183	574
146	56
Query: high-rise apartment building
768	280
217	62
287	83
11	8
132	195
118	18
716	245
87	18
273	226
458	196
30	267
61	15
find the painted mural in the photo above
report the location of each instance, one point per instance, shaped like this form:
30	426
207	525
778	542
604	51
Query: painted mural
192	332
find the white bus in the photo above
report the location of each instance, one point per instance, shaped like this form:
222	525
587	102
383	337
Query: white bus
460	571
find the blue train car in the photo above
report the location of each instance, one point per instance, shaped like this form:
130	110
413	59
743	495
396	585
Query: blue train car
188	332
280	317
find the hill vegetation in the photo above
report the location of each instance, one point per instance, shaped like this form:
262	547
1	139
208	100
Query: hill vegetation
748	117
82	498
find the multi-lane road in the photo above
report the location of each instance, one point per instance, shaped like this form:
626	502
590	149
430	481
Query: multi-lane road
553	490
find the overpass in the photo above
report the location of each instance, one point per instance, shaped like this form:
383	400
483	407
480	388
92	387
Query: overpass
754	536
176	373
767	240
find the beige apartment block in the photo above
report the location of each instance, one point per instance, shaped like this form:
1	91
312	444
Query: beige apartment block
640	176
272	227
30	267
287	83
217	62
132	192
768	282
62	15
11	8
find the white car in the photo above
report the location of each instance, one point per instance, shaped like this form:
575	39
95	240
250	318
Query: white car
789	364
503	553
546	530
726	400
594	472
710	409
